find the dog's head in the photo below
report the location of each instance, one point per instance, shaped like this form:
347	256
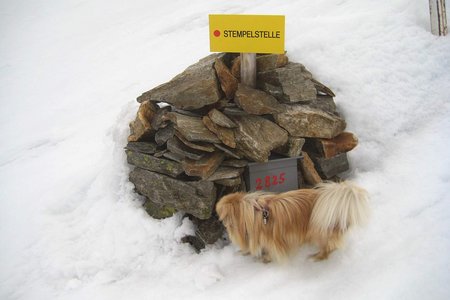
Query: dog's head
231	212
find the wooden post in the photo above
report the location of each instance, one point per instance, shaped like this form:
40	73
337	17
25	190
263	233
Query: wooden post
438	17
248	69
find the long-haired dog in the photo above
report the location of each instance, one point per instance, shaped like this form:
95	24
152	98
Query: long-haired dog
271	226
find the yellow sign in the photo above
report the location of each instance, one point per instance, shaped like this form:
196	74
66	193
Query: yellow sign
246	33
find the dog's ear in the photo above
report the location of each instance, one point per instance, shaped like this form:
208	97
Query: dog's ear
224	206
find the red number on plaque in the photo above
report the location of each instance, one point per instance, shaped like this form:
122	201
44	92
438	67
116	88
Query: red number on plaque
259	184
275	180
267	181
282	179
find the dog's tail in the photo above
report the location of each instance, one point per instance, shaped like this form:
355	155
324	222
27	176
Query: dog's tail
339	206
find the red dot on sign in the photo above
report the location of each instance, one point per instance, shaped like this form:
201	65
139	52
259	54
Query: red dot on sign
216	33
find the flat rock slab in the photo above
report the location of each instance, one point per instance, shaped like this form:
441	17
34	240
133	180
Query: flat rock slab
151	163
343	142
142	147
256	137
303	121
205	166
175	146
256	102
194	197
192	128
141	128
289	84
226	135
272	61
221	119
198	146
226	173
330	167
195	88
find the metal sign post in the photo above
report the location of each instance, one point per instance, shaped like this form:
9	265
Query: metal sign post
248	69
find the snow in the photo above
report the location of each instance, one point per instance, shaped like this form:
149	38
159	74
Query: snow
71	226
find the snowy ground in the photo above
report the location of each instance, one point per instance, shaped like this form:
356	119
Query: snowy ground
70	225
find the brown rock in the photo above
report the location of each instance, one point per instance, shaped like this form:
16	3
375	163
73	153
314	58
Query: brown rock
203	167
192	128
308	171
256	137
236	68
141	128
270	62
221	119
196	87
228	82
256	102
344	142
226	135
303	121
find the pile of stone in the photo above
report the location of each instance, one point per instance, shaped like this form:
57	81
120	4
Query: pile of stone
194	135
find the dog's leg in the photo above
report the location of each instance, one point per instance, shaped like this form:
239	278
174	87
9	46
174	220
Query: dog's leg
328	245
265	256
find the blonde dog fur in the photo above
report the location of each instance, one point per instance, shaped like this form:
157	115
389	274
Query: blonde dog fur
319	216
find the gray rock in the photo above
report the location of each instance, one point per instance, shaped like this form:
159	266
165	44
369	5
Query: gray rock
175	146
236	181
196	87
289	84
236	163
194	197
164	134
293	148
142	147
304	121
151	163
256	102
159	211
228	151
173	156
256	137
159	119
198	146
330	167
325	103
